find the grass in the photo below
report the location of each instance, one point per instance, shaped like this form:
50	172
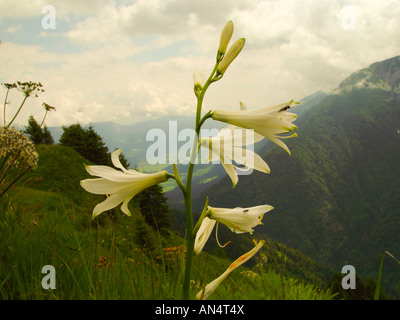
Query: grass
104	261
46	220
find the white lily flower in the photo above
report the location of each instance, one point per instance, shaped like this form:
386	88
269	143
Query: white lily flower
268	121
239	220
210	288
227	146
202	235
119	186
230	144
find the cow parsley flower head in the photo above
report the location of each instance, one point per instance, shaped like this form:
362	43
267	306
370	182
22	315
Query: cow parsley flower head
17	148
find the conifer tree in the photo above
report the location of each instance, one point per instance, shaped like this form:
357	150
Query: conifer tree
154	207
96	148
74	136
47	137
34	131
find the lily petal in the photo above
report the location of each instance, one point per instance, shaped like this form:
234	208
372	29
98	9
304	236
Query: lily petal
121	186
103	186
111	202
210	288
202	235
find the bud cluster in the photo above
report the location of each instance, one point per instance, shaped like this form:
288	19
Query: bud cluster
29	88
223	59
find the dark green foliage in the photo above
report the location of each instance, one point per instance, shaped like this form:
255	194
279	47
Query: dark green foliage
123	160
34	131
151	202
87	142
37	134
153	206
96	149
363	290
47	137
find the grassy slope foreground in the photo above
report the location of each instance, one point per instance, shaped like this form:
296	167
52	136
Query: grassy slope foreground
45	220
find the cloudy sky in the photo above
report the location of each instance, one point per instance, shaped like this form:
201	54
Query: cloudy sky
128	61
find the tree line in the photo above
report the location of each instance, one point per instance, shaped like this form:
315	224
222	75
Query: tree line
151	203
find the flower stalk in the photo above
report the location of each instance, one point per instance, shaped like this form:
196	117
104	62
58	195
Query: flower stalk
230	146
188	188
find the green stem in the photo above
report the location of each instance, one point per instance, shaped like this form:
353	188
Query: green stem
188	194
4	161
15	180
43	119
378	282
202	216
178	179
19	109
9	166
190	243
205	117
5	104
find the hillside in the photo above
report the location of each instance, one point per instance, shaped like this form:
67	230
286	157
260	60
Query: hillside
337	198
45	219
206	175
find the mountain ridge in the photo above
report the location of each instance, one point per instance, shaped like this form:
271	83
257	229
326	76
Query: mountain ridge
383	74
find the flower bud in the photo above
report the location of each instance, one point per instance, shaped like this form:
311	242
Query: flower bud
198	79
225	38
230	56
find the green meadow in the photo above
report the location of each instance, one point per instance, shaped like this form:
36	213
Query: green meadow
46	220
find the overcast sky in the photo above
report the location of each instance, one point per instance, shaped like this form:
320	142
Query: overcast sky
128	61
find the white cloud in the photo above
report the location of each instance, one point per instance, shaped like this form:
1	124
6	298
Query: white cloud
32	8
136	59
13	29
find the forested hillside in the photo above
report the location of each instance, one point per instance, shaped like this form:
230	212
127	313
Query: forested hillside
337	197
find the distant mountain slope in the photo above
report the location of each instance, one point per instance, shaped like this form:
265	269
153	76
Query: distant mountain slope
132	140
208	174
337	198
